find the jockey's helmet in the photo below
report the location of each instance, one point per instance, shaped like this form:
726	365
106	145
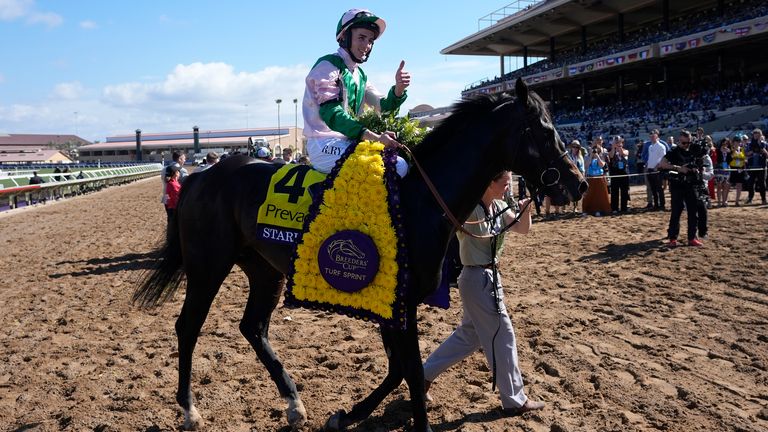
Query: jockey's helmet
358	18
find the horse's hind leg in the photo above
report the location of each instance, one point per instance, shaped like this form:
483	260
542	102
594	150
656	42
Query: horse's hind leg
203	282
266	287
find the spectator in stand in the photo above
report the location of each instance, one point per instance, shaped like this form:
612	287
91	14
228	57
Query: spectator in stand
618	168
576	155
596	199
36	179
172	190
736	162
721	173
757	151
656	149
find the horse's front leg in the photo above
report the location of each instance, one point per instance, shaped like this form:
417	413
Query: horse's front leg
414	376
402	348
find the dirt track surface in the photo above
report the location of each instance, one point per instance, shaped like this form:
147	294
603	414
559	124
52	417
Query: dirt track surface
615	331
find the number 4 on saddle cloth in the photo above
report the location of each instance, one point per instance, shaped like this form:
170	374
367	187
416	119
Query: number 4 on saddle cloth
350	254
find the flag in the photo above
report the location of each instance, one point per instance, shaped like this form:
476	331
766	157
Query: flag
680	46
644	54
760	26
609	61
572	70
708	38
666	48
632	56
600	64
693	43
619	59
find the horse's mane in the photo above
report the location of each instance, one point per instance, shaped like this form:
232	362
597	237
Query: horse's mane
465	111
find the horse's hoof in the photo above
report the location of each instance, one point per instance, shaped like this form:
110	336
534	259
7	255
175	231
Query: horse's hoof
297	415
192	419
334	422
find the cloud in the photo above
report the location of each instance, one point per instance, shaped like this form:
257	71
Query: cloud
11	10
14	9
69	90
193	86
88	25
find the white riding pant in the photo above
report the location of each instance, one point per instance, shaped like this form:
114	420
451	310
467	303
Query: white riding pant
324	152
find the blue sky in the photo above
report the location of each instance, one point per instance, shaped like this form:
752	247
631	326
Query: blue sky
101	68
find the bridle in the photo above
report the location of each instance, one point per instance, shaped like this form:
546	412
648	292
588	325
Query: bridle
455	222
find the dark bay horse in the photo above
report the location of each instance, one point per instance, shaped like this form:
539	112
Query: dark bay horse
482	137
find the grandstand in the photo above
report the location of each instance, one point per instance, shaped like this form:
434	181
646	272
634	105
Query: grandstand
627	66
156	147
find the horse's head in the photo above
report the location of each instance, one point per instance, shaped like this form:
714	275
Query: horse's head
536	152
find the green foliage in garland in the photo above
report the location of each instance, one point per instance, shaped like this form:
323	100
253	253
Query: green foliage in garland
407	130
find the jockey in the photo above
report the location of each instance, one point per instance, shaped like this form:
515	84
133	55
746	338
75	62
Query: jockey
337	88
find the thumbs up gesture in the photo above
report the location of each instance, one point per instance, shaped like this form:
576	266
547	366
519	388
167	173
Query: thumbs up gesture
402	79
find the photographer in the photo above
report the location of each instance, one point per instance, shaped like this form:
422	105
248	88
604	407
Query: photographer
618	160
757	153
686	165
595	201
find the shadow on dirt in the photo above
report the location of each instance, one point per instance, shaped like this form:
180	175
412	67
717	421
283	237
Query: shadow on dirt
100	266
619	252
398	412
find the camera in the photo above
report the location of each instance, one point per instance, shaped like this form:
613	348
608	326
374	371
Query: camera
698	148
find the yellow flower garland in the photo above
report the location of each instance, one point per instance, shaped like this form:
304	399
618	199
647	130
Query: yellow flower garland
357	201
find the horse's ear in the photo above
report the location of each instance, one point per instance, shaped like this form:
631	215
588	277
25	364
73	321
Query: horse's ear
521	90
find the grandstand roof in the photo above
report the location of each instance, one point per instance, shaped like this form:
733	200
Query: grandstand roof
38	140
35	156
563	19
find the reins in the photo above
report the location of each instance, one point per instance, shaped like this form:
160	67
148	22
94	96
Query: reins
450	216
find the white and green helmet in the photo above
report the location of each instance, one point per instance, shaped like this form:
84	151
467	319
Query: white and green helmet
361	18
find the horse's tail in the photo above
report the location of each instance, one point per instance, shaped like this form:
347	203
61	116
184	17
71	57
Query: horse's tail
161	282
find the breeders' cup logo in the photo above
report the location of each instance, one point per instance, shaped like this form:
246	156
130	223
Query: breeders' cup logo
347	255
348	260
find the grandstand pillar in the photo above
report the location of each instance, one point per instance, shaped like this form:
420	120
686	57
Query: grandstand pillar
196	138
552	98
620	87
583	39
138	145
501	66
552	48
621	28
720	69
525	56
